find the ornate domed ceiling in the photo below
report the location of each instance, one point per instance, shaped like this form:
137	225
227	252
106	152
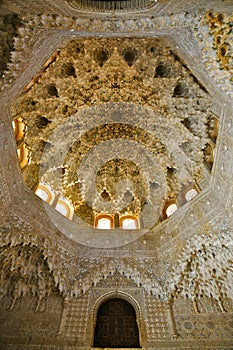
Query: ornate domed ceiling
107	127
118	115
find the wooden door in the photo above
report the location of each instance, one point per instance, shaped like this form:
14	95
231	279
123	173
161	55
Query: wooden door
116	325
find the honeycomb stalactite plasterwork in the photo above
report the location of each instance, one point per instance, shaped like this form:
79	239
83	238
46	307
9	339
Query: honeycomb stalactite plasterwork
119	25
207	262
175	159
204	269
38	265
29	273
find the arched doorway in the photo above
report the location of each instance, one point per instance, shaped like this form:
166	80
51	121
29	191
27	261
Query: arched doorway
116	325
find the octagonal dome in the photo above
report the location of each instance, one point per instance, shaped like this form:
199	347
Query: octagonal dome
116	126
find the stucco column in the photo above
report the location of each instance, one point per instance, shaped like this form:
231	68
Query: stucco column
170	317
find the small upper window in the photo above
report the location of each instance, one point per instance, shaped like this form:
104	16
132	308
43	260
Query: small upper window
129	222
42	194
104	222
45	192
171	209
19	128
65	208
189	195
22	156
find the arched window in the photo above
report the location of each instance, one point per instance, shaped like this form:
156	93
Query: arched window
65	208
104	221
116	325
23	156
19	128
129	222
190	194
45	192
169	208
19	131
187	193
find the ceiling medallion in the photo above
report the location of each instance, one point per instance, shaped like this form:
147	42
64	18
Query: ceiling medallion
111	5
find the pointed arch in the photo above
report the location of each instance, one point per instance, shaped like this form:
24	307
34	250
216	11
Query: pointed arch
116	325
121	295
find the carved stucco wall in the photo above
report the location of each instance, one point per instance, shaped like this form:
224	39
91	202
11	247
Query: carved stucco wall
189	256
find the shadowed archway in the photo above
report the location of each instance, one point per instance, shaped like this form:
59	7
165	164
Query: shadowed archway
116	325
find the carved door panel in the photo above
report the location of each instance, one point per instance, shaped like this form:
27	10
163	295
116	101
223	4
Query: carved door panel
116	325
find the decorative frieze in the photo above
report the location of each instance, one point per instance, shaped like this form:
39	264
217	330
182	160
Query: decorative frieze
73	324
157	322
